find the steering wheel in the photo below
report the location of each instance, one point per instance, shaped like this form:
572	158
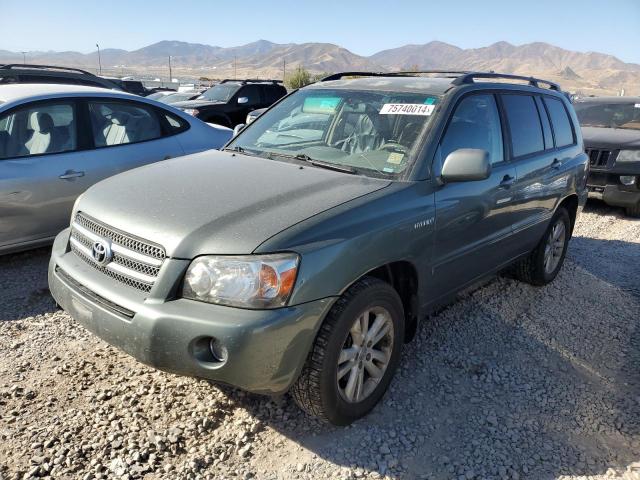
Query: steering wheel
394	145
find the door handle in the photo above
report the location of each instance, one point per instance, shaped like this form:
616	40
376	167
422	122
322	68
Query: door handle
71	174
556	164
507	181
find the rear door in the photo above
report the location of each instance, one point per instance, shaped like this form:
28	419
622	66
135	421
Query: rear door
126	134
42	170
473	219
538	157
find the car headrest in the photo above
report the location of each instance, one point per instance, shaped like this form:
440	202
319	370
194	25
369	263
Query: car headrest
119	118
45	123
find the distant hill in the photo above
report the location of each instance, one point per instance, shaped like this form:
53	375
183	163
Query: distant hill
590	72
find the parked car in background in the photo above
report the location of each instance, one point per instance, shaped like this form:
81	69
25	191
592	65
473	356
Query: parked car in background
611	130
179	97
58	140
228	102
25	73
303	262
251	116
131	86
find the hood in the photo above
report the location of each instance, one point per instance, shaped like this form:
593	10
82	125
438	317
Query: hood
218	202
195	104
610	138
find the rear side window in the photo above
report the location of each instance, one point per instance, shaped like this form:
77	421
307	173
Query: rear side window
475	124
251	93
117	123
560	121
524	124
176	124
273	93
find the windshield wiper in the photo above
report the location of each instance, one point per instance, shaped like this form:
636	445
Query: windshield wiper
317	163
244	151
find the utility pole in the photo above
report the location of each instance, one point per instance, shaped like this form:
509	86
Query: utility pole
284	70
235	66
170	75
24	57
99	59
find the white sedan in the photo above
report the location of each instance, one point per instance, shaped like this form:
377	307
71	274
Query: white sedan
58	140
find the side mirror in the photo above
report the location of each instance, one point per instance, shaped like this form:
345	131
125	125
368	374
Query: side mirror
238	128
466	165
243	99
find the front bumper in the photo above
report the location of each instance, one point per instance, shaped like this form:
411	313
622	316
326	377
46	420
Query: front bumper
606	187
266	348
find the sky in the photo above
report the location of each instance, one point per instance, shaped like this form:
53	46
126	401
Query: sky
364	27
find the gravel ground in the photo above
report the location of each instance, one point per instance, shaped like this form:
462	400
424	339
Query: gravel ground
511	382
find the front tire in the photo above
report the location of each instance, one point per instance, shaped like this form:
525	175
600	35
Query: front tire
545	261
355	354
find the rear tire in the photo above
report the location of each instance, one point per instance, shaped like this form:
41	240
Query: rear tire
634	211
349	369
545	261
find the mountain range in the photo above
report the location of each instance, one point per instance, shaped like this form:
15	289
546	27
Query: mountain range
589	72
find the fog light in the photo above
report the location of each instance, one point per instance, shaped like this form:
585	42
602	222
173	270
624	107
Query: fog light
219	351
628	179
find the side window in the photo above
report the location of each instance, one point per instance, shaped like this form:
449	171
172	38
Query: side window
524	124
546	126
475	124
252	92
176	124
561	123
38	129
117	123
272	94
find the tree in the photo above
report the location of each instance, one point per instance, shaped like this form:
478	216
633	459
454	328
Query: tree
298	79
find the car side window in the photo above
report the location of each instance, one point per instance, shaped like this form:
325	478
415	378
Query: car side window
38	129
122	122
560	121
272	94
176	124
475	123
252	92
546	126
524	124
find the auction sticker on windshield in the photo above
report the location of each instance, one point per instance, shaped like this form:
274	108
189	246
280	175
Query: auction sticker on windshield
407	109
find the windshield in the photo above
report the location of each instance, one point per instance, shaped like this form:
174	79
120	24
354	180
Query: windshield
176	97
370	132
609	115
220	93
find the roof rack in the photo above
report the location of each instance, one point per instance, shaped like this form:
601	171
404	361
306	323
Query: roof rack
249	80
442	73
469	78
11	66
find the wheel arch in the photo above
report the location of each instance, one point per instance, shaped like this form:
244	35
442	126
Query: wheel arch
402	275
570	204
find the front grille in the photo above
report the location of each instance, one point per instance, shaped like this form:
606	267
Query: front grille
135	262
598	158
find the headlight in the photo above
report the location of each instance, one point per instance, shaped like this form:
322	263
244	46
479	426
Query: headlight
191	111
628	156
627	180
252	281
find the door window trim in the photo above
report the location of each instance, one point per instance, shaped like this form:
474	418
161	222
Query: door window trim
75	104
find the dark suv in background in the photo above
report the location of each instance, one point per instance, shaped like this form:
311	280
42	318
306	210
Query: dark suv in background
611	130
229	102
25	73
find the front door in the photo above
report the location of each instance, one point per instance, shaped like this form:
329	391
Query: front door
473	219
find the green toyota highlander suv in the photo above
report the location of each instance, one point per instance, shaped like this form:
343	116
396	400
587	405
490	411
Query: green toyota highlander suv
301	257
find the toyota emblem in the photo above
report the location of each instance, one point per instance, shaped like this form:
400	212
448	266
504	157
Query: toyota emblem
101	252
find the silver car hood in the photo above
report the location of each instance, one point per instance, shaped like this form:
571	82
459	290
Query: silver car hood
218	202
